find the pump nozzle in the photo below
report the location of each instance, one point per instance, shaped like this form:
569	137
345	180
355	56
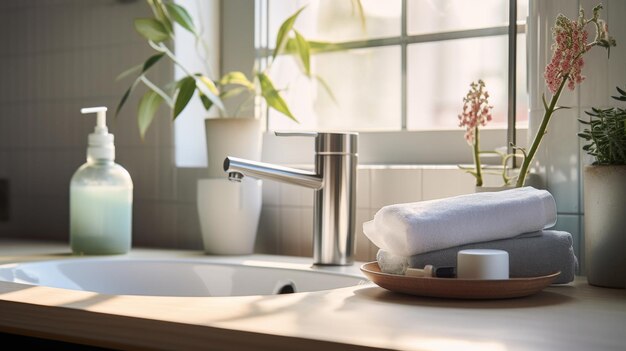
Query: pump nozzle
100	141
101	123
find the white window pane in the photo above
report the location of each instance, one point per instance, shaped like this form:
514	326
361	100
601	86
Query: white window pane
337	20
365	82
522	10
432	16
439	74
521	96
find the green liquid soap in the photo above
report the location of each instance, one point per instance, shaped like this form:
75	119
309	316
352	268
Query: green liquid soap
101	197
101	219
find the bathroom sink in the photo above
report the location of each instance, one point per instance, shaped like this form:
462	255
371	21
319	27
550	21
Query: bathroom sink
176	277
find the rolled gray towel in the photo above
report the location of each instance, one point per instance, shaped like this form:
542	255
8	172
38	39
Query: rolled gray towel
530	255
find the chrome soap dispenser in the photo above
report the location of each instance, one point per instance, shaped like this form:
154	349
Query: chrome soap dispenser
101	197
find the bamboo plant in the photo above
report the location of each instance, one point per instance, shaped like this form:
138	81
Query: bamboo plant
159	32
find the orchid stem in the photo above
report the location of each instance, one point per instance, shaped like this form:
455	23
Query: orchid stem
542	130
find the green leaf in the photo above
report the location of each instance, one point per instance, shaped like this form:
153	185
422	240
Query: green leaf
148	105
304	52
181	16
232	92
151	61
620	91
283	32
205	101
273	98
237	78
208	83
185	92
143	68
151	29
128	72
161	14
208	88
125	97
359	8
327	89
323	46
619	98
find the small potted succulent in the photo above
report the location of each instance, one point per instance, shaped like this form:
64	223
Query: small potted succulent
605	195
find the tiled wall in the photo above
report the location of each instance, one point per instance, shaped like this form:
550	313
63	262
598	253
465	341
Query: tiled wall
560	158
59	56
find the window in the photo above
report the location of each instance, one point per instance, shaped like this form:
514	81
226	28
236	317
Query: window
403	70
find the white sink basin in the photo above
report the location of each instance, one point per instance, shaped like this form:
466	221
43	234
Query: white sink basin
175	277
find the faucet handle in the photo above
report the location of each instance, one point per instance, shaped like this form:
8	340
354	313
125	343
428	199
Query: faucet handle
304	134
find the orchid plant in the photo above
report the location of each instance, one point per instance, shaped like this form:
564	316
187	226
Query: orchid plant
476	113
565	68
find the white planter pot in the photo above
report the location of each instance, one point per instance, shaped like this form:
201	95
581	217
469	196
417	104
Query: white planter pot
238	137
605	225
229	215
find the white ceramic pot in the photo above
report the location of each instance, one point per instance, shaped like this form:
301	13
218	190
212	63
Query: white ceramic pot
238	137
605	225
229	215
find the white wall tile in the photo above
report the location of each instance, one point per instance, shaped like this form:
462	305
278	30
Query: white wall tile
268	233
562	160
187	184
142	165
306	232
617	27
293	195
392	186
571	224
19	176
290	225
439	183
362	252
188	235
363	188
373	248
271	193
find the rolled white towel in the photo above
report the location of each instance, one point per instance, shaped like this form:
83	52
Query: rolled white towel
414	228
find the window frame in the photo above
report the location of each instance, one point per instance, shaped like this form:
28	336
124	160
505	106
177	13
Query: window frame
377	144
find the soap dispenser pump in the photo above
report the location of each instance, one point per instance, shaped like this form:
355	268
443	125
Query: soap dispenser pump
101	197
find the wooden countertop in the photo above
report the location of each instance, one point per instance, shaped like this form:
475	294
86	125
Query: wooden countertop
572	317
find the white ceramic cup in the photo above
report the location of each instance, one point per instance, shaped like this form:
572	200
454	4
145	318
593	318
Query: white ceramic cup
483	264
229	214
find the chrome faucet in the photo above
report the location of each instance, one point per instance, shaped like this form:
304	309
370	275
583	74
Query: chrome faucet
334	182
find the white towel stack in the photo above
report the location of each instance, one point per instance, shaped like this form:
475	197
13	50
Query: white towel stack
419	227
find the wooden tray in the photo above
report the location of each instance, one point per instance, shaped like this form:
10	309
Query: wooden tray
454	288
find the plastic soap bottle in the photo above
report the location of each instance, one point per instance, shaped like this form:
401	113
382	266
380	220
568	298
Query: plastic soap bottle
101	197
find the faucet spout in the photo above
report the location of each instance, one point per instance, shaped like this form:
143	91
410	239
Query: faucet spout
334	198
237	168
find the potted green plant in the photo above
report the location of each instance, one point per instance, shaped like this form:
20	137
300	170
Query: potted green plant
218	199
604	184
243	134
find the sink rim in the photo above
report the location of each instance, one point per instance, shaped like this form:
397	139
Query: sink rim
270	267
